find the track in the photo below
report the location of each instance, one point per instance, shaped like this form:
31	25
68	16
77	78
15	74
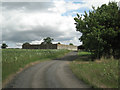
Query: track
49	74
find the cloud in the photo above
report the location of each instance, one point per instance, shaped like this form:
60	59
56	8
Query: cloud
28	6
20	26
36	42
119	5
96	3
33	21
63	6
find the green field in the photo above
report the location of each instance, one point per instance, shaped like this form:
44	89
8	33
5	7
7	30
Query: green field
99	73
14	59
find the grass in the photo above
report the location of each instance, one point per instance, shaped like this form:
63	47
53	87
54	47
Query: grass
14	59
83	53
99	73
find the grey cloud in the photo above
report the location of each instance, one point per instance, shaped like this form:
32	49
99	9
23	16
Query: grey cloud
64	38
37	33
12	34
28	6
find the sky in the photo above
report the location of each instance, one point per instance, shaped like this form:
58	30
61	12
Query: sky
32	21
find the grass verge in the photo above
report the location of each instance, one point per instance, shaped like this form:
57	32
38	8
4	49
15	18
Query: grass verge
14	59
99	73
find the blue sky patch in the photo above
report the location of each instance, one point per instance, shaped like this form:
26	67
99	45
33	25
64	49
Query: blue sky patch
74	12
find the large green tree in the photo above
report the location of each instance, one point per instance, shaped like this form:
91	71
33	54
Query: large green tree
100	30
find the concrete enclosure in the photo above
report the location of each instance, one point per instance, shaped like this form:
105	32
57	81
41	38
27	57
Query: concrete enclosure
68	47
49	46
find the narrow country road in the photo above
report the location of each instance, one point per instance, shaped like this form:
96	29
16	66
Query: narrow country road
49	74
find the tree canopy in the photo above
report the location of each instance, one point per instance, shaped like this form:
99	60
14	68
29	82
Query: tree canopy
47	40
4	45
71	44
59	43
26	43
100	30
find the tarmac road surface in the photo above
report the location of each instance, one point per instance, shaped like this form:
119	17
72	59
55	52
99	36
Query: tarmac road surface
49	74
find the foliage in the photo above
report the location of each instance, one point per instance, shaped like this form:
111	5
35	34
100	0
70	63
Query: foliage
14	59
47	40
26	43
4	45
59	43
101	30
71	44
81	47
99	74
83	53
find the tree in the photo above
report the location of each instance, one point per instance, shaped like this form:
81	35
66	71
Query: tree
4	45
71	44
47	40
59	43
26	43
81	47
101	30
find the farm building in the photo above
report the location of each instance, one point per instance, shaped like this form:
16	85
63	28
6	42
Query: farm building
81	47
49	46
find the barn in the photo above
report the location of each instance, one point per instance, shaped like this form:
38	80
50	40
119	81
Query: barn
49	46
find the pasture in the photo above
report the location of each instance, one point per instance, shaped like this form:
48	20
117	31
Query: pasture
14	59
99	73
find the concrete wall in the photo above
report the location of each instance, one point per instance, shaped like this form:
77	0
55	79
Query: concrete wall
68	47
